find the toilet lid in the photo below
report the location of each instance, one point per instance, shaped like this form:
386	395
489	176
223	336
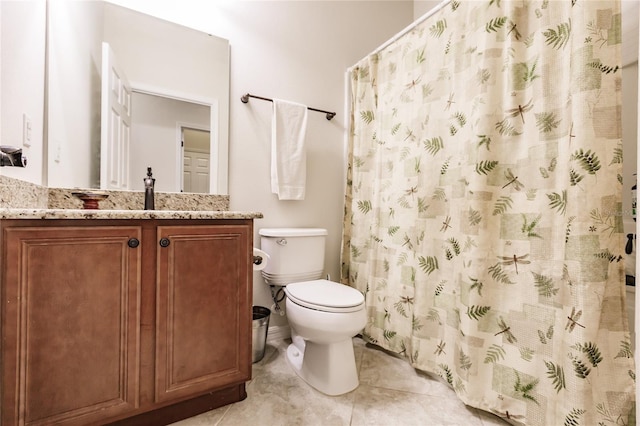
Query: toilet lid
325	295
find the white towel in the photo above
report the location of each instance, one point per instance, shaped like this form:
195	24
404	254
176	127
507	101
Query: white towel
288	153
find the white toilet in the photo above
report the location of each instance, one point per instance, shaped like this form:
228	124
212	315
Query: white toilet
323	315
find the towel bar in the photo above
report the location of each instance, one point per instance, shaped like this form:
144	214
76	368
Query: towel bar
245	98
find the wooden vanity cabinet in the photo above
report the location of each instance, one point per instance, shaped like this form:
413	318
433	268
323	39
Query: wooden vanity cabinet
123	321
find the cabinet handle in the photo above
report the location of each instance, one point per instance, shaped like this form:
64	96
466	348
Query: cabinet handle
133	242
164	242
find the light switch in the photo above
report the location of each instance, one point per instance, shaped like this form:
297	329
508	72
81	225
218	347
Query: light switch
57	151
26	131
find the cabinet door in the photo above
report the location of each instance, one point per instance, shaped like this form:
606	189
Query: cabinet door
69	324
203	334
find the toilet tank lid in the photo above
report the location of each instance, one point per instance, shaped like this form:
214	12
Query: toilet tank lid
292	232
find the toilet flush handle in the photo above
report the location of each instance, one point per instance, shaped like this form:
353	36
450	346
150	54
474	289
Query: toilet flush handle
282	242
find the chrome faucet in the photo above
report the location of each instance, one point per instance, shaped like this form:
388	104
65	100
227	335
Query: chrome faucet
149	181
12	156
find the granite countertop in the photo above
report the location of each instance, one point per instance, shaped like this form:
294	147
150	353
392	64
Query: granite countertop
124	214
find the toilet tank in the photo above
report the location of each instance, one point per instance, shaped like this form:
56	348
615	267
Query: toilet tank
295	254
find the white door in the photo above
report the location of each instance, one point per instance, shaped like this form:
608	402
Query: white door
115	122
196	172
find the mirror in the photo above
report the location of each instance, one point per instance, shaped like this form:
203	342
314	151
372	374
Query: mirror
180	73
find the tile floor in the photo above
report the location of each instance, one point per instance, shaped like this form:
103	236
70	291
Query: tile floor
391	393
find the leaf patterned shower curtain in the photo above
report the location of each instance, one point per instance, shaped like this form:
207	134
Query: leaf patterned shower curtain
483	216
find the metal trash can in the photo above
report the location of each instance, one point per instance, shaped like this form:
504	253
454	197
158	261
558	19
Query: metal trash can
259	331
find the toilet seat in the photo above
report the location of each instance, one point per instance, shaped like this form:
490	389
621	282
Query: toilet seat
324	295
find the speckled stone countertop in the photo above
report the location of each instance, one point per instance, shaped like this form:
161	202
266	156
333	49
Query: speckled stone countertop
62	198
18	194
24	200
124	214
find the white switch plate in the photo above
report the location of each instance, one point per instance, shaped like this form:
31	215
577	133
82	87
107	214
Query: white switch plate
26	131
58	152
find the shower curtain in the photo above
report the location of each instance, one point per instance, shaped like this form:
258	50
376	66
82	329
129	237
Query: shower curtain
483	215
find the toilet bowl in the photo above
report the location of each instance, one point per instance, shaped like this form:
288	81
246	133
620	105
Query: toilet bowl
324	316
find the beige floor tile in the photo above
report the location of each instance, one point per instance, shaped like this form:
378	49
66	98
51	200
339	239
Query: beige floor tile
385	370
359	347
377	406
391	393
277	396
210	418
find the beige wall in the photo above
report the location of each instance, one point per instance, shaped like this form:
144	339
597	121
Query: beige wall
22	44
75	51
420	7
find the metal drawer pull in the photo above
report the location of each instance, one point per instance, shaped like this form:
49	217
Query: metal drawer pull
164	242
133	242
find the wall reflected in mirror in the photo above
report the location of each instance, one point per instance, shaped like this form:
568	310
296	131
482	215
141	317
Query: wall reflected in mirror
177	65
170	134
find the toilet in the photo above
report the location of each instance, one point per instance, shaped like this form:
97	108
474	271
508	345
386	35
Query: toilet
323	315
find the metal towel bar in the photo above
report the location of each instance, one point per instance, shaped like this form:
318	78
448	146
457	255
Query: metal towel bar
245	98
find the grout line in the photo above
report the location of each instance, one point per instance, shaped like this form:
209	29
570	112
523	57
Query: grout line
223	415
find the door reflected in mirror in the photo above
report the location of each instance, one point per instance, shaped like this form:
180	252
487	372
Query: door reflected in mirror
196	157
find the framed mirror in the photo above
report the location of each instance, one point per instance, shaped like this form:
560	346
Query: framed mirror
175	73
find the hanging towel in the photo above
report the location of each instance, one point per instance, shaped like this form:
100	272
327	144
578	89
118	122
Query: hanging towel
288	153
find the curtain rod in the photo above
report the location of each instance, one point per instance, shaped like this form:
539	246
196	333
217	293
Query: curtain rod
245	98
408	28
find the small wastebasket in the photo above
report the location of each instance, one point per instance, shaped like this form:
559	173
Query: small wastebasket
259	331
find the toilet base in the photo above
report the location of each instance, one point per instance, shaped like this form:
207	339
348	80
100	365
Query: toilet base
329	368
